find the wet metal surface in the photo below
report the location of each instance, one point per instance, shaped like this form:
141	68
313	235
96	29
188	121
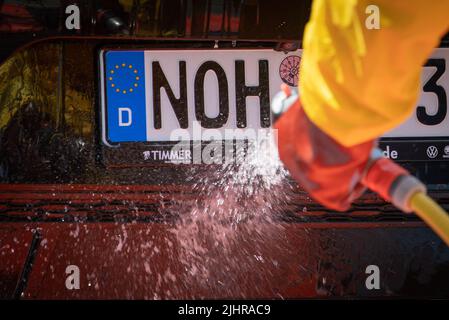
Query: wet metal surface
143	261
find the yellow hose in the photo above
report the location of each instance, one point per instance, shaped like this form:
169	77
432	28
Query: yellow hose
432	214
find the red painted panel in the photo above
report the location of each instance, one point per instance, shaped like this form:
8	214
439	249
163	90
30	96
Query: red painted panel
15	240
201	260
151	261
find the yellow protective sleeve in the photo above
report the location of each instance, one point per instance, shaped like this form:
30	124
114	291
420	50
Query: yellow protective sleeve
356	82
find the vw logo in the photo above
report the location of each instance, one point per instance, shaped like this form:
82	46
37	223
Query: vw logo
432	152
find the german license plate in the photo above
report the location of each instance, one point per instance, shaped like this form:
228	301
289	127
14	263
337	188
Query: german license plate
156	96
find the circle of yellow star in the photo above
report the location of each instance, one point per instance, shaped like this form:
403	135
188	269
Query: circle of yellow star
111	79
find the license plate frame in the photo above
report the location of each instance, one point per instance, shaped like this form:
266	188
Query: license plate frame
390	142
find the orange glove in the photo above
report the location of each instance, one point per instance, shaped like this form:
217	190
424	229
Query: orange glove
330	172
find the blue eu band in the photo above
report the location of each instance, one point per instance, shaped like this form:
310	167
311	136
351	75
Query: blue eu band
125	96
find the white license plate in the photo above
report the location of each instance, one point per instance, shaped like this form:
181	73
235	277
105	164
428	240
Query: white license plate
165	95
